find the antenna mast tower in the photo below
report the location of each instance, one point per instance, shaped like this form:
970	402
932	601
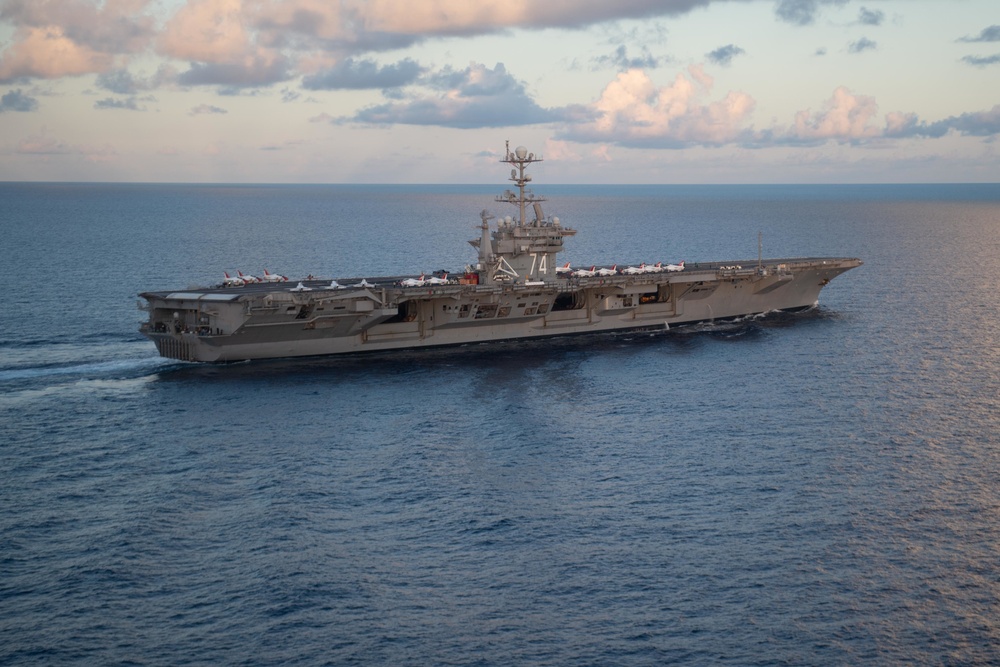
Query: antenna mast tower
520	158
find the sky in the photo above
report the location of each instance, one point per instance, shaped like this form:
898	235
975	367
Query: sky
429	91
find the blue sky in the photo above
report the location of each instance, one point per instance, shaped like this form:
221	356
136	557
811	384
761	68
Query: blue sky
419	91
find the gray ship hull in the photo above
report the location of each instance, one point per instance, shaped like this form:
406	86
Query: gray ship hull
267	321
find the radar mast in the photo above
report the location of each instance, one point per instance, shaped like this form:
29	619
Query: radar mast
520	158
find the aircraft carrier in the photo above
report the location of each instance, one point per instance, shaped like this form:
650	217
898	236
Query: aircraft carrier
515	290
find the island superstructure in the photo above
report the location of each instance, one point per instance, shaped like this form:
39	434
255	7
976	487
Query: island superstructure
515	290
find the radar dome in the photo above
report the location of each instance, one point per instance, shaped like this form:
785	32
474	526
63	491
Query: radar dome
520	152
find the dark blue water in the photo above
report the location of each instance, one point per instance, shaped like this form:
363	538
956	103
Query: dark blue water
817	489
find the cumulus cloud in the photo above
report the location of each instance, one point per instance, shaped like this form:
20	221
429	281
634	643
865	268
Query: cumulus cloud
113	26
477	80
48	53
213	31
900	124
976	124
850	118
474	97
724	54
863	44
845	117
990	34
224	47
57	38
353	74
16	100
633	111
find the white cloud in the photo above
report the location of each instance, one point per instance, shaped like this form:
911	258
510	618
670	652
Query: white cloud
845	117
47	53
211	31
633	111
59	38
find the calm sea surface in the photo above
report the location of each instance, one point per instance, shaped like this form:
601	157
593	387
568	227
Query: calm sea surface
816	489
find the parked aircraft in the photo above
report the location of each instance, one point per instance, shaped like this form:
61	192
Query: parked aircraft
613	271
586	273
273	278
675	267
433	280
413	282
300	288
232	282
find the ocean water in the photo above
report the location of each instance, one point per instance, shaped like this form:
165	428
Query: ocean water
810	489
